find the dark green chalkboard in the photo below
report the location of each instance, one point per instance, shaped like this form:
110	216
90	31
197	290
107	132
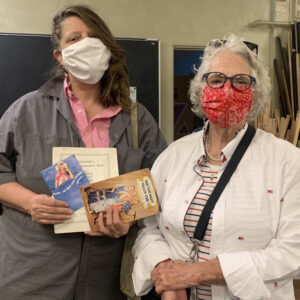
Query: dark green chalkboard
25	61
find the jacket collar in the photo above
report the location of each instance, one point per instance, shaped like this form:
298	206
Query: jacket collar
231	146
54	88
118	125
227	150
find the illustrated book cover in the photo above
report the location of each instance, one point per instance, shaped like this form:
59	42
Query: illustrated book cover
64	180
97	164
132	193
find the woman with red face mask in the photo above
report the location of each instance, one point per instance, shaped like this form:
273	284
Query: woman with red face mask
229	194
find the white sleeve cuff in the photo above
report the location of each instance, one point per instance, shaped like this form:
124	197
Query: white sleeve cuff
147	256
242	277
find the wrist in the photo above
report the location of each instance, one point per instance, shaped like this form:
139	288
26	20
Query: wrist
28	203
132	223
209	272
163	261
28	206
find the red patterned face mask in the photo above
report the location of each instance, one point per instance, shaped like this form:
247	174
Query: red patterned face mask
226	107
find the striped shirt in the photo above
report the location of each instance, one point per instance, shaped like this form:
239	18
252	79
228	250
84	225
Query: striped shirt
209	173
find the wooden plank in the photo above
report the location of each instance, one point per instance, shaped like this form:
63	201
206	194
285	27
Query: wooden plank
298	77
297	288
291	73
284	123
294	138
277	114
297	33
282	58
287	71
277	118
294	42
292	131
280	88
259	121
271	126
288	135
256	122
287	96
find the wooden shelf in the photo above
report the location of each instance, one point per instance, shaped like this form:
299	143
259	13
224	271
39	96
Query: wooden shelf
269	23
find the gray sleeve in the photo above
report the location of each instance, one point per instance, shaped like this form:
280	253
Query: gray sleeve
151	140
7	147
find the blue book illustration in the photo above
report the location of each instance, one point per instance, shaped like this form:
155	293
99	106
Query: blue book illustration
64	180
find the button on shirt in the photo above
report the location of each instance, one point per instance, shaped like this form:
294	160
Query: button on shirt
95	134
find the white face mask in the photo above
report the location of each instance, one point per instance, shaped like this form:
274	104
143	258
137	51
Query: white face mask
87	60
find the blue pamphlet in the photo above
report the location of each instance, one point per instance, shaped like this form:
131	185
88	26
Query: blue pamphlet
64	180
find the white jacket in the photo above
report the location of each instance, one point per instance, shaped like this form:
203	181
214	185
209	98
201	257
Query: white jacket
256	222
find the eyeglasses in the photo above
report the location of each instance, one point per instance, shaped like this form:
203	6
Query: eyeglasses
219	43
240	82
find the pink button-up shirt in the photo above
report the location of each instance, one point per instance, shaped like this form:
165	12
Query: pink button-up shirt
95	134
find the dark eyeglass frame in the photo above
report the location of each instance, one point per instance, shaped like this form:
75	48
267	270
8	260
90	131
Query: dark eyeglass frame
219	43
252	79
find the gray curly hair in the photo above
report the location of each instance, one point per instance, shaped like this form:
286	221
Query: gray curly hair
261	90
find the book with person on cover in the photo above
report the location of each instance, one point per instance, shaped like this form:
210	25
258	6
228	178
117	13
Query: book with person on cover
97	164
132	193
64	180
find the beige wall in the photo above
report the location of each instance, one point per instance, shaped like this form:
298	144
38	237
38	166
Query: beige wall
173	22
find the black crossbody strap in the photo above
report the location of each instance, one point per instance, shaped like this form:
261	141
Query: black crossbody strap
224	179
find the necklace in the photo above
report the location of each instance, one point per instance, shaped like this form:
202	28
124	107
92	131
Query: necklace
212	158
206	150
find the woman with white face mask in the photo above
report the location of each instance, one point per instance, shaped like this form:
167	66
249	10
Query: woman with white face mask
86	104
230	219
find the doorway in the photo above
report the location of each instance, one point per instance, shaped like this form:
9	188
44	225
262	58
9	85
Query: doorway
185	62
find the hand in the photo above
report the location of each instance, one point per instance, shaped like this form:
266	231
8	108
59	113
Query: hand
46	210
111	225
164	261
170	276
174	295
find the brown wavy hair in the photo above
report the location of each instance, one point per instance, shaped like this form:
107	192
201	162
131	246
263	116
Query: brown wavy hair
114	85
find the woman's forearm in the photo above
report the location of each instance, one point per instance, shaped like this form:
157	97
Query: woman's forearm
169	276
14	195
209	272
42	208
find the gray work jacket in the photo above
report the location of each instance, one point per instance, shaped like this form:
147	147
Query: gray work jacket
36	264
